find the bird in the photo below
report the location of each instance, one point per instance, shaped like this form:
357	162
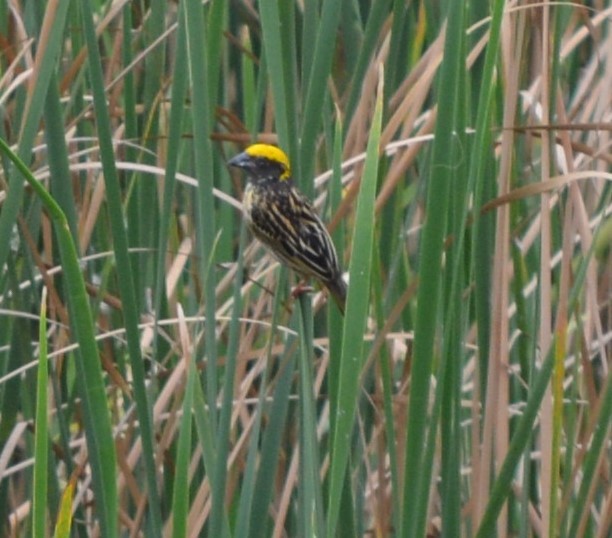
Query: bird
284	220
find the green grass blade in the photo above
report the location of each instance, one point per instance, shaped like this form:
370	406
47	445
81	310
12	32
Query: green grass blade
142	211
219	472
179	90
201	111
46	59
271	448
258	483
480	164
355	320
366	51
41	432
99	436
277	61
335	318
311	503
503	483
596	452
200	73
58	156
416	479
316	85
124	267
180	498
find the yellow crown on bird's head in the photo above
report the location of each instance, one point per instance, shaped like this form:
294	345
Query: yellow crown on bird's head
272	153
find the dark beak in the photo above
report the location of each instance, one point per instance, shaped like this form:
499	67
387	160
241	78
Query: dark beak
242	160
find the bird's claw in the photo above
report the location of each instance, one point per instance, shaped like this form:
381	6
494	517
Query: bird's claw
300	289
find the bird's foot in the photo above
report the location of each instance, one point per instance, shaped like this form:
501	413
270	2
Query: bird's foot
300	289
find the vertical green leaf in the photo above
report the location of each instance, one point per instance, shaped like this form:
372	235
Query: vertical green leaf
201	111
100	442
360	270
315	87
275	50
46	59
416	479
310	486
180	497
41	445
124	266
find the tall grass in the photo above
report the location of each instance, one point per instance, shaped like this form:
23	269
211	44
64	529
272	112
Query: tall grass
461	155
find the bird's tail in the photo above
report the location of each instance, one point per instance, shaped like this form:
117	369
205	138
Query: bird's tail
337	289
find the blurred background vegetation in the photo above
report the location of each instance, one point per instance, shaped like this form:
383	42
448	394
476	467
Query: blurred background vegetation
158	378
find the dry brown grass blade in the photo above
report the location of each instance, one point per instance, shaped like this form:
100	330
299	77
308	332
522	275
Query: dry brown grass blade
495	432
546	186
